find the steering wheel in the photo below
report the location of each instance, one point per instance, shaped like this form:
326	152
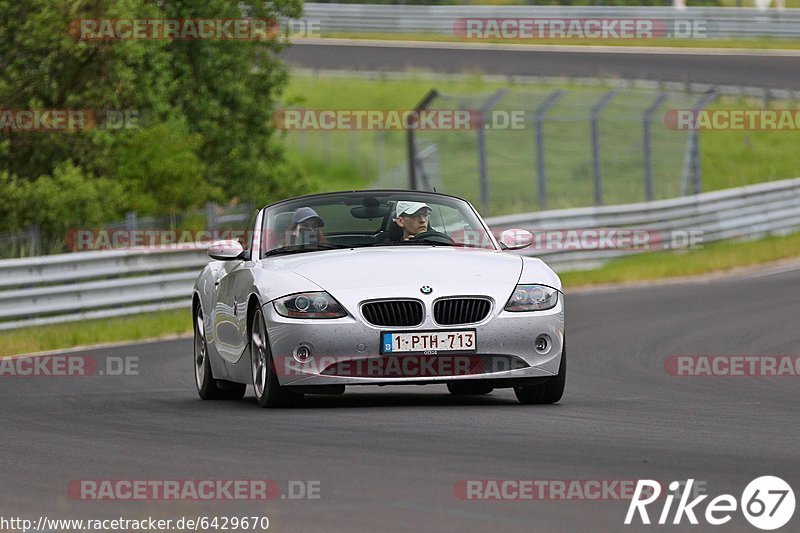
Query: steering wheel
433	236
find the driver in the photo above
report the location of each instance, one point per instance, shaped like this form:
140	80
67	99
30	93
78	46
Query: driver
412	217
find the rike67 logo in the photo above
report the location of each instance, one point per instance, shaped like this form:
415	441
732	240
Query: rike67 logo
767	503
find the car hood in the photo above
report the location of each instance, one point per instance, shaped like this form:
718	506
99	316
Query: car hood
403	271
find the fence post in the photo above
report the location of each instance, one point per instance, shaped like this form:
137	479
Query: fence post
131	221
697	180
596	110
353	147
211	216
483	164
380	148
326	146
412	155
647	145
34	240
538	118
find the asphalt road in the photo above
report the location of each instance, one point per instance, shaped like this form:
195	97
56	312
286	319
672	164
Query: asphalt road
387	459
774	71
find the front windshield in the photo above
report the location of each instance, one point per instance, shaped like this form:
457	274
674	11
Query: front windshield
366	219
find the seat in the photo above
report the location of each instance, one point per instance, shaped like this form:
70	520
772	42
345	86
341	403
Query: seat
393	234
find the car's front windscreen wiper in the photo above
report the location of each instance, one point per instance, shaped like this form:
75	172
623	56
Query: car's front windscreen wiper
300	248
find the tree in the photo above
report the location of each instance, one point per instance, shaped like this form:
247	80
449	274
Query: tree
203	106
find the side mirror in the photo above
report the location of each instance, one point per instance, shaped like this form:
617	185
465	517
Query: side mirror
225	250
516	239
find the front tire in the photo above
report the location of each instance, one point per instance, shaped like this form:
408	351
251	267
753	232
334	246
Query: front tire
269	392
209	388
548	392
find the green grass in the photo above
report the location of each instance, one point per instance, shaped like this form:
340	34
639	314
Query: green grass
348	159
715	257
58	336
761	43
736	158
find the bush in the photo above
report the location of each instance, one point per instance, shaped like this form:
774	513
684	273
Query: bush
67	199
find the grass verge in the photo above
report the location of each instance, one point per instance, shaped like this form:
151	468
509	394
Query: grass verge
131	328
717	257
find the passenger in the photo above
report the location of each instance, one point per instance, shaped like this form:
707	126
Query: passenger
305	227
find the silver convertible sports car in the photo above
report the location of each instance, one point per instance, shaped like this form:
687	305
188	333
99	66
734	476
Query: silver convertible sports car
376	288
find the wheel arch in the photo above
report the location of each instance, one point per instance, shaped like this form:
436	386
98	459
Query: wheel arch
253	304
195	303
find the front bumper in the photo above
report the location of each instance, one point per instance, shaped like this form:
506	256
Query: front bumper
346	351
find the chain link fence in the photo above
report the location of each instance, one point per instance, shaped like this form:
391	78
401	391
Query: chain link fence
569	148
573	145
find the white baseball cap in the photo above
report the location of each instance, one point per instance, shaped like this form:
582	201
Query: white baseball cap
409	208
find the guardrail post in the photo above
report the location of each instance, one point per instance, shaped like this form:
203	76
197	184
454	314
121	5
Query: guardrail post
412	153
483	164
647	145
538	118
596	110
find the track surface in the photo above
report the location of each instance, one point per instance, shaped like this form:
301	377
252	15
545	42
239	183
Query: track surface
746	70
387	458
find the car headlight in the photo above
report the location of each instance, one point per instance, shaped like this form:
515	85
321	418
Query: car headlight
532	298
309	305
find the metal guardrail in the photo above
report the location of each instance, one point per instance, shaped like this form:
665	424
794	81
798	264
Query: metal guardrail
719	22
745	212
68	287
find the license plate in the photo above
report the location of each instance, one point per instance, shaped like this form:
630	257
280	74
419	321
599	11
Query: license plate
429	341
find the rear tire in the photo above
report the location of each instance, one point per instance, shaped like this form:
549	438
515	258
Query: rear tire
548	392
468	388
269	392
209	388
